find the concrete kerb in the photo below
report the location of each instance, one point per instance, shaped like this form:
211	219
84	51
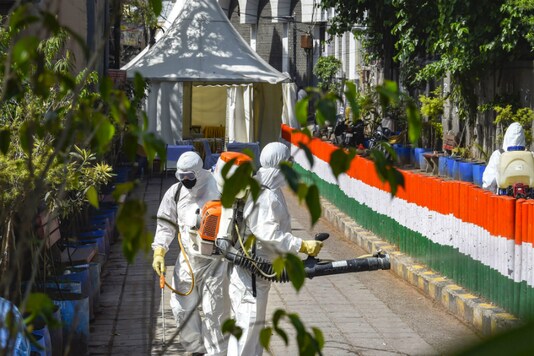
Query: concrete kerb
485	317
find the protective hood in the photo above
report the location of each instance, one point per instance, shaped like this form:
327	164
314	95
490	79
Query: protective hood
274	153
271	156
514	136
191	162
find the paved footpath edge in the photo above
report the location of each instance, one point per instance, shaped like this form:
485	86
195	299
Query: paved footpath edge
485	317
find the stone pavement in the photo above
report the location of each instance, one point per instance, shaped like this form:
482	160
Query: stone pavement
348	309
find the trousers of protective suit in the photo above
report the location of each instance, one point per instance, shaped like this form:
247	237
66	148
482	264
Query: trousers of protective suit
248	311
201	334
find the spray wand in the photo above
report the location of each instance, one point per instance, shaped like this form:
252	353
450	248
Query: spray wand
162	286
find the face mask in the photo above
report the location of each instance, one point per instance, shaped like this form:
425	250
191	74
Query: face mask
189	183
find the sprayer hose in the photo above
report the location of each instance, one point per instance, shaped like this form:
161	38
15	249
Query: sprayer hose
190	270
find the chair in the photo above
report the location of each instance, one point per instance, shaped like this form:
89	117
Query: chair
210	159
173	153
241	146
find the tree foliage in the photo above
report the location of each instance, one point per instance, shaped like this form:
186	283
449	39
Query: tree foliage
59	131
326	69
372	21
432	39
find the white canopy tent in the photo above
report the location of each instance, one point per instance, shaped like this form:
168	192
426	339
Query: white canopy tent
202	72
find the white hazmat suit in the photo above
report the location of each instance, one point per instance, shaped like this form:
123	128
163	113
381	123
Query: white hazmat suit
514	137
269	221
200	334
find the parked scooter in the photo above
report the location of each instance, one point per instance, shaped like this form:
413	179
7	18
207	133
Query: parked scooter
380	137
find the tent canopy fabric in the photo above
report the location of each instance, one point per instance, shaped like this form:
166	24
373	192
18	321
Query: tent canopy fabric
202	46
201	49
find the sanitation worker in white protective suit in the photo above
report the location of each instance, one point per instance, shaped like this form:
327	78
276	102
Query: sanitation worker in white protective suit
201	334
269	221
513	138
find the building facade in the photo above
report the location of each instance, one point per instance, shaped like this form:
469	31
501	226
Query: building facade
292	35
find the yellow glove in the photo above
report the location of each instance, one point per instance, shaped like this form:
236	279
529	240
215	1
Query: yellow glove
311	247
158	261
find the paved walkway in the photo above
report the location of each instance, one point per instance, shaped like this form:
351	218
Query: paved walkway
359	314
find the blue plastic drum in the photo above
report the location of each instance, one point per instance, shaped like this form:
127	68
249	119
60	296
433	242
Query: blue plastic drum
465	172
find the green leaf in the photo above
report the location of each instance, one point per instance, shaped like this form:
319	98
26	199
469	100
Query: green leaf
340	161
249	243
130	145
301	111
414	122
25	50
319	337
152	145
51	22
122	189
265	337
305	131
386	171
308	153
351	96
106	86
388	93
236	183
104	134
156	6
20	18
230	326
131	226
44	83
40	305
13	87
326	111
5	139
283	335
295	270
302	191
26	137
277	315
92	196
278	265
519	340
313	203
254	187
297	323
291	175
139	85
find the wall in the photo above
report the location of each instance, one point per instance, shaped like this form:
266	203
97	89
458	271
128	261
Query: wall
478	239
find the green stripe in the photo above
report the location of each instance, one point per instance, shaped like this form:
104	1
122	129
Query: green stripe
516	298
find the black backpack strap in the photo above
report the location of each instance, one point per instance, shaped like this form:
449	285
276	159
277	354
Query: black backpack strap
177	194
254	292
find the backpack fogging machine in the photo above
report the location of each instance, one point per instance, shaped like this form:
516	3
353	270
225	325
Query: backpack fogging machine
313	267
220	229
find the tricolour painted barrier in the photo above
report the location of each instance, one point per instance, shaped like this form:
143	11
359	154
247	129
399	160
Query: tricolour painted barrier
480	240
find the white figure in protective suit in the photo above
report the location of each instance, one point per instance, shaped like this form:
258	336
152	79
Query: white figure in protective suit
268	219
201	334
514	138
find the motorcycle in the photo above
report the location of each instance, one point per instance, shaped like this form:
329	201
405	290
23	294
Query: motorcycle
379	139
349	134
